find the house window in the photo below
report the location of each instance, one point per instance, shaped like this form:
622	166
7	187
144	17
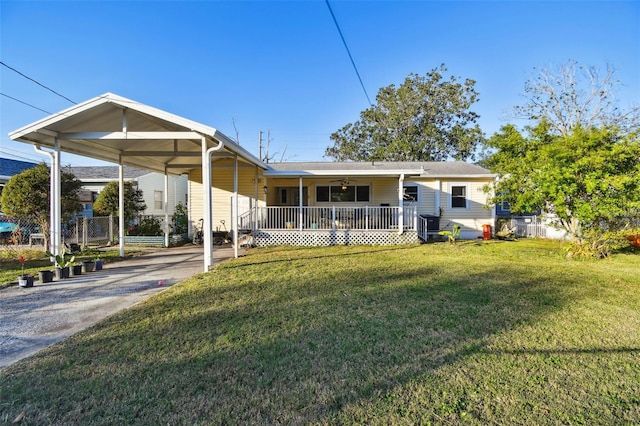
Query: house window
458	197
410	193
157	200
342	194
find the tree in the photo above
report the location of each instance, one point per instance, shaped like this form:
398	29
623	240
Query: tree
26	195
575	95
427	118
589	180
108	201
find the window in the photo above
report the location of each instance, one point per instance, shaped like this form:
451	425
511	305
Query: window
157	200
458	197
410	193
342	194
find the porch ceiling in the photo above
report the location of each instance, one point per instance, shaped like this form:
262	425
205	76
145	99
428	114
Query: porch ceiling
110	128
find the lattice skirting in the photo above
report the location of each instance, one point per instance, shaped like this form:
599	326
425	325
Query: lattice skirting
331	238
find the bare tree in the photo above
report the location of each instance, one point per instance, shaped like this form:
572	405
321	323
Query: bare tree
573	95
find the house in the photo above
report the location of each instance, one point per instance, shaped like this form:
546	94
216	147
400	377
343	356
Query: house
285	203
323	203
9	167
151	184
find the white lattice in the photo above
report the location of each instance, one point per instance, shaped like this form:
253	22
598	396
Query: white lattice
330	238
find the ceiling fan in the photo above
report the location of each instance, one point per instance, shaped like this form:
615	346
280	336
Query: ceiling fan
343	182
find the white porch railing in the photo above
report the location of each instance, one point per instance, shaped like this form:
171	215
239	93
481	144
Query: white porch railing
327	218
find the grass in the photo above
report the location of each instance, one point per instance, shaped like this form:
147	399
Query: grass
472	333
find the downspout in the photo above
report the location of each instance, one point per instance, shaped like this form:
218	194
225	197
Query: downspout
206	202
121	223
165	206
401	204
55	212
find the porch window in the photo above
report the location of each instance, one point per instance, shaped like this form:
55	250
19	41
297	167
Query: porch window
410	193
459	197
342	194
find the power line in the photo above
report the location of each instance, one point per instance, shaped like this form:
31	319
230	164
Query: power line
23	102
38	83
335	21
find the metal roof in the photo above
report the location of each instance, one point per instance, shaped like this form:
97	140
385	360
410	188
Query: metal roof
110	127
433	169
9	167
106	173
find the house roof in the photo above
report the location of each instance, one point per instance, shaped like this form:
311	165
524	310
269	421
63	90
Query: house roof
9	167
433	169
106	173
112	128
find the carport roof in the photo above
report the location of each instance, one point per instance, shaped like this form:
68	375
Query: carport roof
110	127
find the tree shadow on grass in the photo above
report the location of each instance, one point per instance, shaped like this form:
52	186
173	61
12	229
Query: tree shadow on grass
289	352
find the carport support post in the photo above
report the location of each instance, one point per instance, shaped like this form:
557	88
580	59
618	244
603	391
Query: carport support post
234	218
207	241
121	207
165	203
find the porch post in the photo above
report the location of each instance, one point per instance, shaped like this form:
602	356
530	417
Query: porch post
165	203
234	218
255	202
121	208
300	203
437	200
401	204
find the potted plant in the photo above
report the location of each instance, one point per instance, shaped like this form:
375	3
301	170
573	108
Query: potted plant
98	263
88	266
76	269
61	264
45	276
24	280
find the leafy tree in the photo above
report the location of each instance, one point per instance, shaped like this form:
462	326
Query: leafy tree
427	118
574	95
108	200
589	180
26	195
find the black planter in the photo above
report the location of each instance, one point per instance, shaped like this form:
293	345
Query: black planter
62	273
45	276
88	266
25	281
76	270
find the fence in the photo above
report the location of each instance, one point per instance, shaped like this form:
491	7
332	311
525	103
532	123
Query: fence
529	227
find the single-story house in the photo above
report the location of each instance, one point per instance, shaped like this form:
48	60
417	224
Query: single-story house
285	203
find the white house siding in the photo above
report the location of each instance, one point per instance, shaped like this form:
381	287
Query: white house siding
152	182
470	219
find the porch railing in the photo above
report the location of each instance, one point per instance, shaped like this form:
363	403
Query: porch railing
356	218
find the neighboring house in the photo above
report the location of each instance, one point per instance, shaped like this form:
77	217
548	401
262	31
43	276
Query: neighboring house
9	168
151	184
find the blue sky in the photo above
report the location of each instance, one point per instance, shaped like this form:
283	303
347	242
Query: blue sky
282	67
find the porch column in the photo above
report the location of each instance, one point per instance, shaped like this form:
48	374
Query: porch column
255	201
165	205
437	200
121	223
234	217
300	203
401	204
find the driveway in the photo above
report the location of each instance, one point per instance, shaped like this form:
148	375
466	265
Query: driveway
33	318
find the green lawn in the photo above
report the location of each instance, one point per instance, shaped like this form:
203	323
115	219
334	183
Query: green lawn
473	333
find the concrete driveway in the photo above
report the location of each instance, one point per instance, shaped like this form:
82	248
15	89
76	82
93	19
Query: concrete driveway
33	318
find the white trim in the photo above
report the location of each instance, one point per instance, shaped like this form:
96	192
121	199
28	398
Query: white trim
467	195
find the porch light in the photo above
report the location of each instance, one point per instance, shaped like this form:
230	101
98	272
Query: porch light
265	189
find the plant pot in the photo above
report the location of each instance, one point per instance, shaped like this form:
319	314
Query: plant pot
76	270
62	273
88	266
45	276
25	281
98	265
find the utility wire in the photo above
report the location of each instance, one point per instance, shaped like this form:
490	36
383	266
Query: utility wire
38	83
23	102
335	21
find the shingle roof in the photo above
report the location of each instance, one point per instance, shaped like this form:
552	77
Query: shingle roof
430	168
107	172
9	167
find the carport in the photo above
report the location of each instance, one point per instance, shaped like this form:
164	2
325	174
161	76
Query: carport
122	131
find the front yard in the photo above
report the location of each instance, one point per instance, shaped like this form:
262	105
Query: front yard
478	332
